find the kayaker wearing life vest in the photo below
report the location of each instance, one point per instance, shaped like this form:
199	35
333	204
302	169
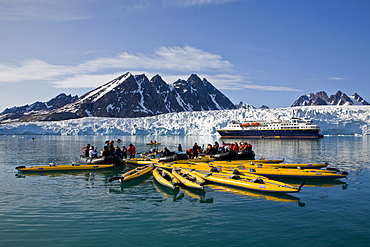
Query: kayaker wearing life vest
189	152
131	150
86	150
234	147
245	147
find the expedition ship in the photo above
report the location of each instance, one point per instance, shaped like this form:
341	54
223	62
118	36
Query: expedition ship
293	128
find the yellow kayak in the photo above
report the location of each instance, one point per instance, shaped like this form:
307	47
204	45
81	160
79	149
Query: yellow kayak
199	159
165	178
188	179
69	167
248	161
262	160
140	161
245	182
257	163
278	197
168	159
291	173
134	173
221	166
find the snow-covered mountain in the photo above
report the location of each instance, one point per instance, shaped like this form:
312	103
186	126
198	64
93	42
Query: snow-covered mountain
358	100
55	103
321	98
37	107
243	105
334	120
136	96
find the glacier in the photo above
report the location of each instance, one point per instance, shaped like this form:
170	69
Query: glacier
333	120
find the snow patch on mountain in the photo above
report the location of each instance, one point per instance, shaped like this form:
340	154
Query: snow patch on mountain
103	90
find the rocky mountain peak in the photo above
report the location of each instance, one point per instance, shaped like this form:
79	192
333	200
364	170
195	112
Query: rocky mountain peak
321	98
60	100
129	96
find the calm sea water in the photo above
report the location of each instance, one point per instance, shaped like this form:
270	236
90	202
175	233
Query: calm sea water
84	209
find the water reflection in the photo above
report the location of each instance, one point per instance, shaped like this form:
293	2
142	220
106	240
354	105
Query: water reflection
70	206
66	149
167	192
104	173
277	197
182	192
196	194
327	183
135	182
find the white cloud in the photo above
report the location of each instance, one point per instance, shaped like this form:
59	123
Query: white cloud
32	69
271	88
85	81
165	58
336	78
186	59
172	63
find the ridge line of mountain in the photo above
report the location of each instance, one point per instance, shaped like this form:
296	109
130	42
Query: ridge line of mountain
131	95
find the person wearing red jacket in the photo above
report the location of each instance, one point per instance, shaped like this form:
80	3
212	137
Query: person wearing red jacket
236	147
131	150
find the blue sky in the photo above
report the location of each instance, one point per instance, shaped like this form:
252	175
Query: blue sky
256	51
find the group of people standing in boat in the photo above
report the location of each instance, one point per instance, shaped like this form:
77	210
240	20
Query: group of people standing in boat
217	148
196	150
110	150
243	146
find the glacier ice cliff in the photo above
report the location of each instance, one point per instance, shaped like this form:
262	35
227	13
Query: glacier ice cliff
333	120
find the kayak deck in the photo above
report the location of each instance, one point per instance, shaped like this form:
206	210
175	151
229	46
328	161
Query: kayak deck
69	167
134	173
165	178
291	173
188	179
259	184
